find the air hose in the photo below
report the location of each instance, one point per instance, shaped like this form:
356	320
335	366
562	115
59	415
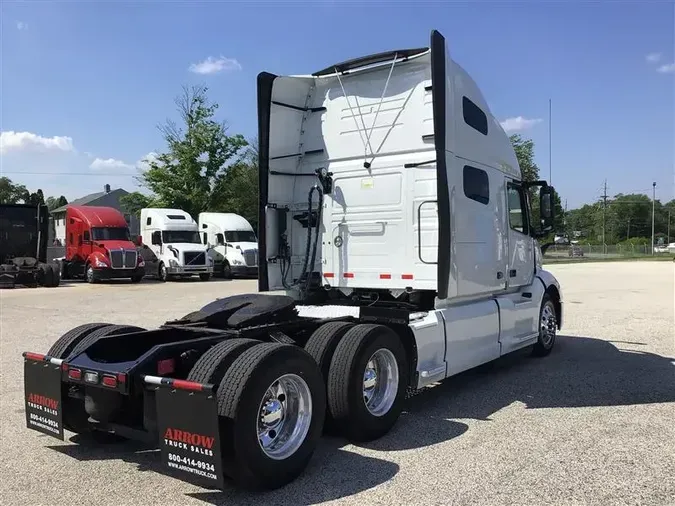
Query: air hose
307	262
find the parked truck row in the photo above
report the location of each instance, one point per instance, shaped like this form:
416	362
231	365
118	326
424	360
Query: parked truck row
172	245
398	248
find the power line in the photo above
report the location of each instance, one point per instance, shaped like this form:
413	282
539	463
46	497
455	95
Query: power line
91	174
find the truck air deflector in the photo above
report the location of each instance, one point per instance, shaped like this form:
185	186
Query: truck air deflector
265	85
438	83
373	59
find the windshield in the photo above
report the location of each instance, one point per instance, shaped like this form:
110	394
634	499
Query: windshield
240	236
110	234
191	236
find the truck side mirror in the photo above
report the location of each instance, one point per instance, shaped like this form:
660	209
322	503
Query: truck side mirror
156	239
546	209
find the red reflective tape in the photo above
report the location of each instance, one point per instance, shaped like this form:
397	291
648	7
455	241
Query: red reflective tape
348	274
328	275
34	356
121	377
187	385
406	276
385	276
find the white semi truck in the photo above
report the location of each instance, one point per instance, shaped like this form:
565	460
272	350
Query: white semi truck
171	245
233	244
397	249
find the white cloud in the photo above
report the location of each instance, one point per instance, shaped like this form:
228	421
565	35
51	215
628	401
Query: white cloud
518	124
27	141
142	164
20	25
109	164
668	68
653	57
215	65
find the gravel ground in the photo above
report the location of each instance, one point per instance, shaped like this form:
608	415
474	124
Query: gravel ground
590	424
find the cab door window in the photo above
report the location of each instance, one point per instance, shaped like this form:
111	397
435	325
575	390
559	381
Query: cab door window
517	208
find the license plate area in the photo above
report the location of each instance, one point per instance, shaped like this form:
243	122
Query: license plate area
44	409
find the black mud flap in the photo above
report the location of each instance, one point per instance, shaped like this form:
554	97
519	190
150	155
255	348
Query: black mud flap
44	409
188	428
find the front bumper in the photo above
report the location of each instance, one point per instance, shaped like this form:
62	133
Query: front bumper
189	269
110	273
244	270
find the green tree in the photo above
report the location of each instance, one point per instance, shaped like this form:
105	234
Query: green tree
132	203
12	193
529	171
238	190
36	198
190	174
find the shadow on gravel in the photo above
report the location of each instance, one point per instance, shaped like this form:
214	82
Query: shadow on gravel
332	474
580	372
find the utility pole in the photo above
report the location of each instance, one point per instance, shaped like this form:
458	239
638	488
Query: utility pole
604	210
628	228
653	200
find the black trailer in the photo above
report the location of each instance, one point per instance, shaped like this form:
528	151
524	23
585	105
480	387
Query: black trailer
224	391
24	231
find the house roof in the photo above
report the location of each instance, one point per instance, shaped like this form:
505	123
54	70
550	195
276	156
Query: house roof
86	200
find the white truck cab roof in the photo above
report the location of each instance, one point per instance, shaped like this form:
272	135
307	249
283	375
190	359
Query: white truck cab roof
166	219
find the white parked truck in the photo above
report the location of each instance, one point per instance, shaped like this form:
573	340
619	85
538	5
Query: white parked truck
398	248
233	244
171	245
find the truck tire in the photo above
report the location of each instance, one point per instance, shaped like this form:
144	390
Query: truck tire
74	415
212	365
227	270
283	383
107	331
45	275
89	274
162	275
321	346
205	276
67	342
547	328
56	275
367	382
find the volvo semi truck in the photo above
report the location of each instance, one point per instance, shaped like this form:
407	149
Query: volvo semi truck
233	245
171	245
397	249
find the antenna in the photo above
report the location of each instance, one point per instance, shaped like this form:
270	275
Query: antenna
550	178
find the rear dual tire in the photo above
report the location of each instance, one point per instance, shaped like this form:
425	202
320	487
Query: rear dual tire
271	402
366	374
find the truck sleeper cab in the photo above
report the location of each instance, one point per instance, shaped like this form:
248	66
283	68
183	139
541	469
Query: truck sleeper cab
98	246
397	249
172	246
232	242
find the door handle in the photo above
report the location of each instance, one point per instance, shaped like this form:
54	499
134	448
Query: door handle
512	273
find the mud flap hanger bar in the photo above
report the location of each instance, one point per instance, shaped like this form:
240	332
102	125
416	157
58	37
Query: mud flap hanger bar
179	384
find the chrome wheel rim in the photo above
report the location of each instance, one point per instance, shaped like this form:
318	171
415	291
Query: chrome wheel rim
284	416
380	382
90	274
547	325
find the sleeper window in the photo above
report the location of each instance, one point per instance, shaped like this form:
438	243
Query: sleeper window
476	184
474	116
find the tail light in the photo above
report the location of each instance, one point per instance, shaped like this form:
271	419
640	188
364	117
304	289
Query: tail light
75	374
90	377
109	381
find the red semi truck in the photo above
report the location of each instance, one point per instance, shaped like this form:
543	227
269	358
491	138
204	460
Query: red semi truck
98	246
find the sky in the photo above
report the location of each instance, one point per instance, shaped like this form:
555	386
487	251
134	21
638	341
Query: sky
84	85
